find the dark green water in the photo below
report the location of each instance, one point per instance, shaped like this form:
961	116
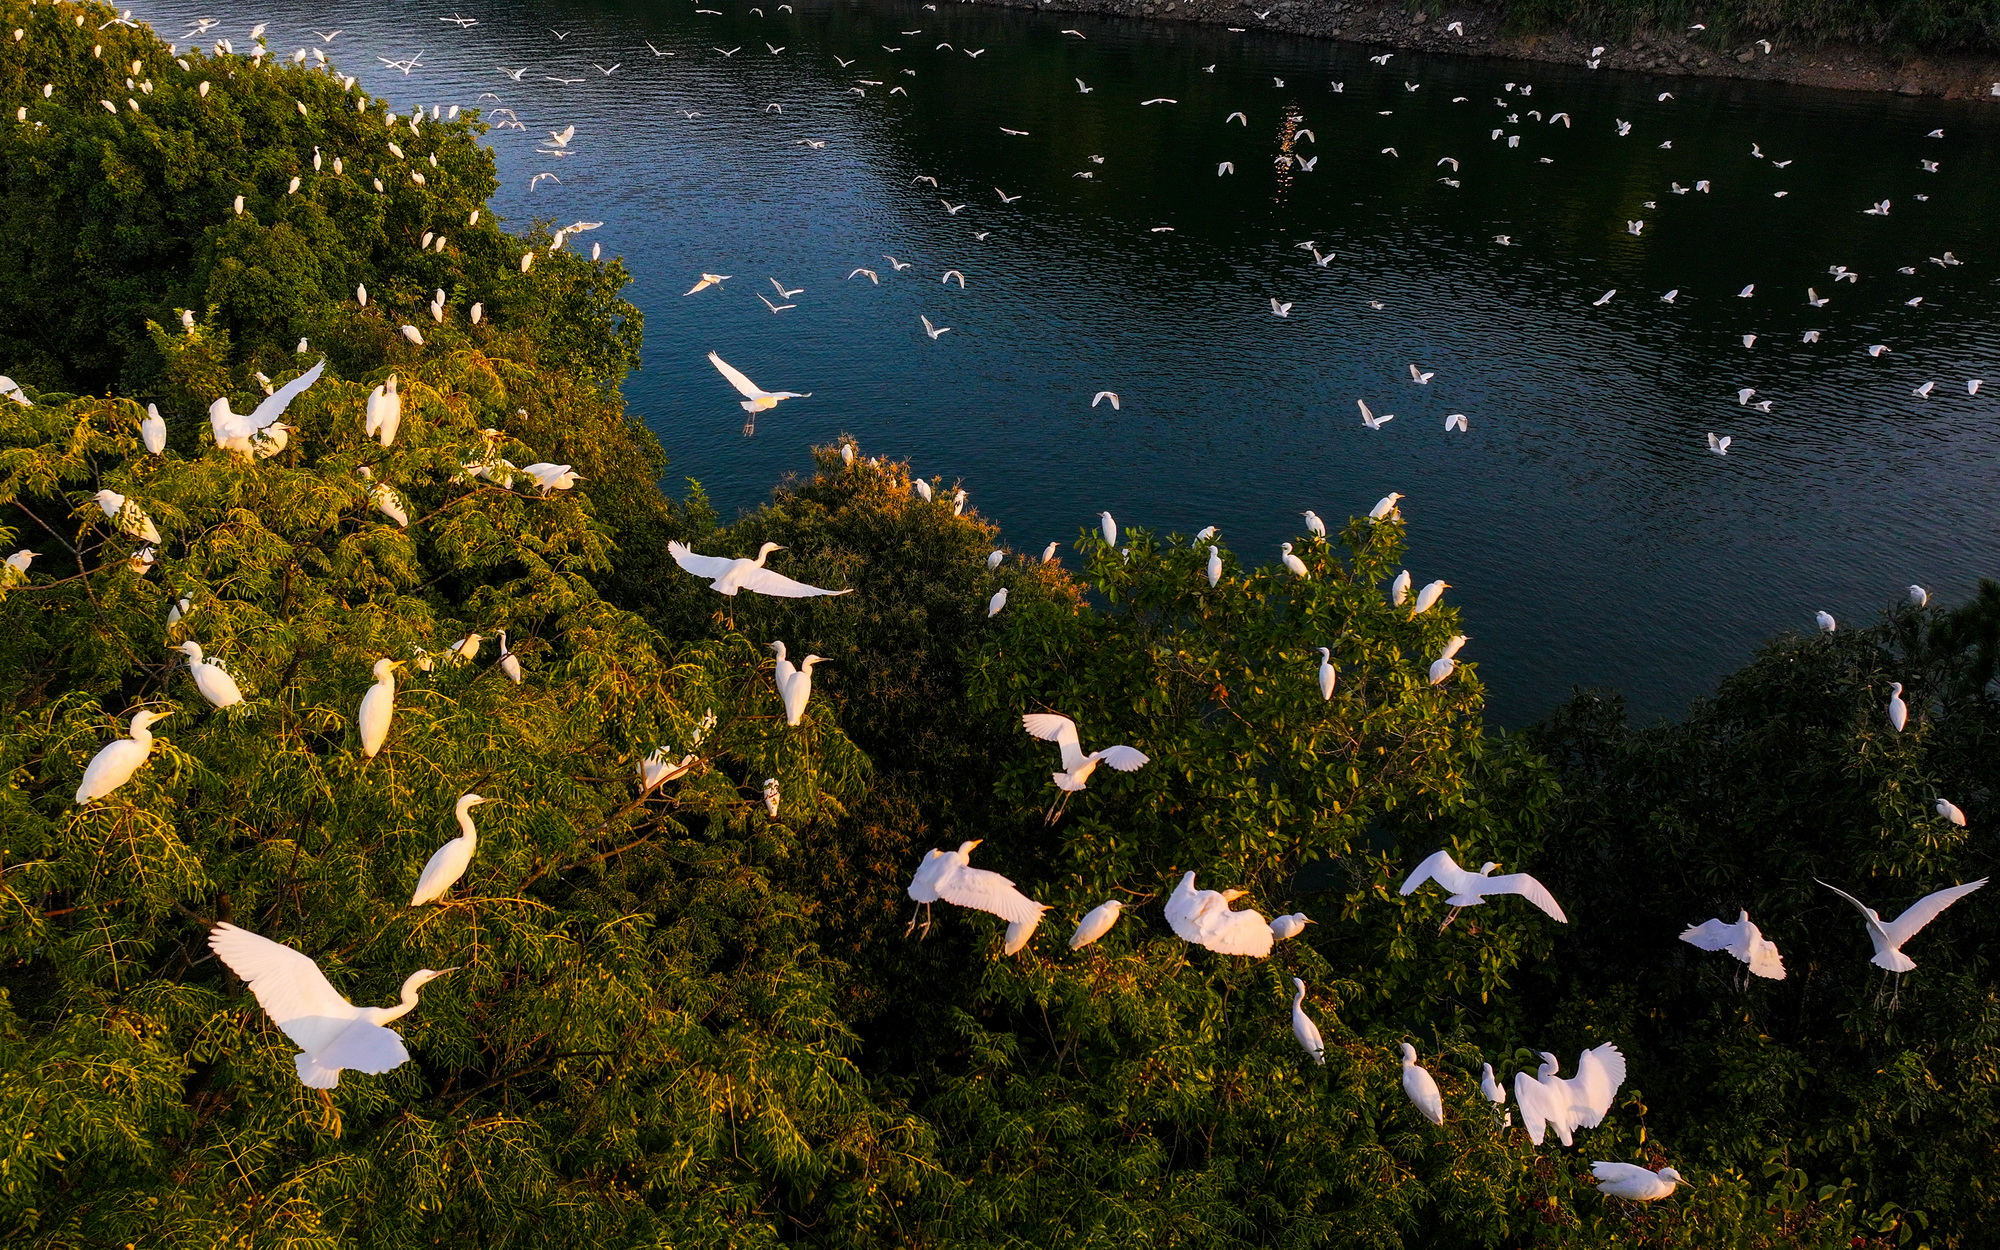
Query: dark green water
1588	533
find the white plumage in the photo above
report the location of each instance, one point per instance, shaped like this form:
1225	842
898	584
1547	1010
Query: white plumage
1469	889
794	683
217	686
331	1033
1743	940
1327	675
1567	1104
449	862
378	708
1077	767
728	576
130	518
384	414
1889	935
1285	928
1096	923
1421	1087
948	877
1204	918
239	432
114	764
1303	1027
1634	1183
1292	563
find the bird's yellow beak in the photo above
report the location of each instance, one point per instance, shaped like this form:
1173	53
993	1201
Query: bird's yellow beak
977	841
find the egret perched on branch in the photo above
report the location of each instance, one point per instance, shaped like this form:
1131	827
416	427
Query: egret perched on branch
1468	889
1494	1091
1292	563
1899	711
130	518
1743	940
1214	569
331	1033
1399	589
1285	928
1077	767
509	663
654	770
153	431
552	476
1303	1027
947	876
1109	528
378	707
239	431
794	683
1096	923
1427	597
1327	676
1951	812
1421	1087
1203	917
384	414
217	686
1314	526
1385	508
1634	1183
115	763
449	862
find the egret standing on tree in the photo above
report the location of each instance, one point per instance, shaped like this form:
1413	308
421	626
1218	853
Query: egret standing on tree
449	862
115	763
217	686
378	707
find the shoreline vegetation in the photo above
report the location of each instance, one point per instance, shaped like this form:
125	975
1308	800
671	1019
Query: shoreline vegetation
1948	50
257	681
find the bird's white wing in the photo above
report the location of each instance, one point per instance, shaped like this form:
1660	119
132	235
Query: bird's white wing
288	985
1124	759
699	565
1437	867
1527	887
1059	729
1182	906
987	891
743	385
277	401
778	586
923	886
1867	912
363	1047
1599	1074
1709	935
1765	961
1537	1108
1237	933
1925	910
1631	1173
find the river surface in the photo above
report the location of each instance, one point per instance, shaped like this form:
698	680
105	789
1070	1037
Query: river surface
1588	532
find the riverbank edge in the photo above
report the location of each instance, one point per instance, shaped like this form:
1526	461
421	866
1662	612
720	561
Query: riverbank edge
1473	31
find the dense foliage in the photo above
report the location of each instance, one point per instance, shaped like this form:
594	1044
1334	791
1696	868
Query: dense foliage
678	1017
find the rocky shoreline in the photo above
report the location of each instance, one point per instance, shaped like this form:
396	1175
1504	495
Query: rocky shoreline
1472	31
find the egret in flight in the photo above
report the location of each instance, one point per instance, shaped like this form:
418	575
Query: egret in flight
947	876
729	576
115	763
239	431
1744	940
1890	935
1469	889
755	398
449	862
1076	766
331	1033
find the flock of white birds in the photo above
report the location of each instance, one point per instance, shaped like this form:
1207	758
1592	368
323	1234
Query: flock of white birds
333	1035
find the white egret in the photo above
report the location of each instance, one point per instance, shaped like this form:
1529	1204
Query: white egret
217	686
1744	940
1428	597
1077	766
1825	622
130	518
1421	1087
1096	923
239	432
552	476
1285	928
1204	918
1101	396
728	576
1469	889
1368	417
997	602
993	559
1919	597
1303	1027
923	489
1049	552
114	764
1214	567
1550	1101
1399	589
509	663
1634	1183
1327	675
14	570
153	431
378	708
1296	566
1899	711
947	876
755	398
449	862
794	683
655	770
384	414
1385	508
1490	1086
465	650
1314	526
1720	446
1950	811
331	1033
1109	528
1889	935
